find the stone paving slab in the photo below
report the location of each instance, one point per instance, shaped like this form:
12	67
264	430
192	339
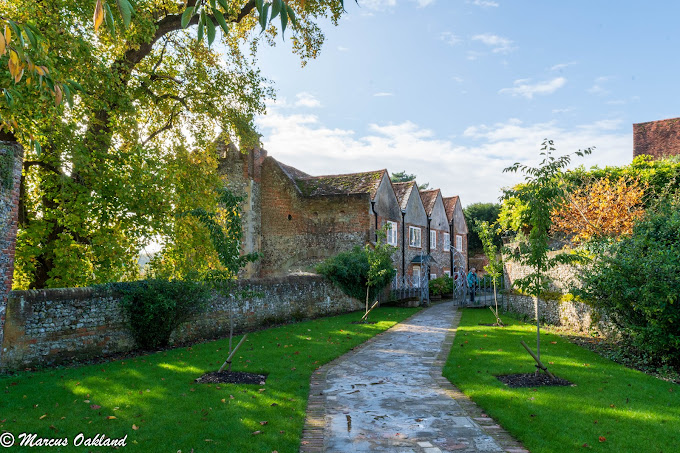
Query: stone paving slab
388	395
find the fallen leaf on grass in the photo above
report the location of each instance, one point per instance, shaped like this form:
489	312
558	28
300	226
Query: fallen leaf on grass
255	433
135	427
223	400
43	416
263	423
95	407
111	417
601	438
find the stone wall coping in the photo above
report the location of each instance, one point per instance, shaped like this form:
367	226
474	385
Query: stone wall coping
32	295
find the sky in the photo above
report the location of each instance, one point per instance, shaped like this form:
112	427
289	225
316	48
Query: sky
454	91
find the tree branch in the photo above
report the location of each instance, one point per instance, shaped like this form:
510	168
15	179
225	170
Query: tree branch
36	163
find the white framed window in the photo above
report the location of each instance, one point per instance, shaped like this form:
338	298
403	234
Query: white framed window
391	232
447	241
433	276
395	280
447	273
459	242
416	275
414	237
433	240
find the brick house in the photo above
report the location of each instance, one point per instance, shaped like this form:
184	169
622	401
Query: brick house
458	231
657	138
296	220
438	234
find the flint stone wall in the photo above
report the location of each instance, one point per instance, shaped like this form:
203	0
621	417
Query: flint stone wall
53	326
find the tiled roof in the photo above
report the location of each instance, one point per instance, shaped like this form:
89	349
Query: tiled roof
429	197
403	190
292	172
352	183
450	206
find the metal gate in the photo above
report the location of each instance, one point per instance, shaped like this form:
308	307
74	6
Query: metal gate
484	291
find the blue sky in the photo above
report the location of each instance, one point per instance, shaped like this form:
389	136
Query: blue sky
454	91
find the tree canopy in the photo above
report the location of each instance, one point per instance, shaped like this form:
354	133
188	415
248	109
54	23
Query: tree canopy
135	146
402	176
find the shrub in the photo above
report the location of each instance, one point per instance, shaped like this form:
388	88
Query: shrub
637	283
441	285
349	270
156	307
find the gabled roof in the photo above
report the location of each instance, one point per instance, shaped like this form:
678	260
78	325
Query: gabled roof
429	198
352	183
403	191
292	172
450	206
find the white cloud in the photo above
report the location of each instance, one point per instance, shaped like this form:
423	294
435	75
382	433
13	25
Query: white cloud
449	38
565	110
472	167
379	5
524	88
598	88
308	100
560	66
383	94
424	3
497	43
486	3
343	49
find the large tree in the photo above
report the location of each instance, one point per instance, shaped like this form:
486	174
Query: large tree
135	146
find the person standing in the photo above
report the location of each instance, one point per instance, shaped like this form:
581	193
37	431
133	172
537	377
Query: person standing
472	281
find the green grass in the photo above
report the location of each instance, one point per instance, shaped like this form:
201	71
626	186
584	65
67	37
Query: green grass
611	408
156	393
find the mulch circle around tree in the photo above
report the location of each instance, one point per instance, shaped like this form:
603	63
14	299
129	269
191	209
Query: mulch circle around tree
531	380
363	322
232	377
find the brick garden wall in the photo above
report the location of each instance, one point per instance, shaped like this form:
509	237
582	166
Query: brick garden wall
11	159
52	326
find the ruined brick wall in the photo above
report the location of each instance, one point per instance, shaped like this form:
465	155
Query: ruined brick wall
52	326
299	232
657	138
241	173
11	159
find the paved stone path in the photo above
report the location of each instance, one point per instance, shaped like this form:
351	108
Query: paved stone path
389	396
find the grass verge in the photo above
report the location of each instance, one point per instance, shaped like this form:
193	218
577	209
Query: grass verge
154	401
610	408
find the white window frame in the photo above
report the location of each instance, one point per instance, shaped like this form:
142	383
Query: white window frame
433	240
433	276
459	242
392	232
416	276
412	236
447	241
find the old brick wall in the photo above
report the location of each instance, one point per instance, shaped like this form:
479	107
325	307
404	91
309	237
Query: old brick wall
11	159
298	232
657	138
54	326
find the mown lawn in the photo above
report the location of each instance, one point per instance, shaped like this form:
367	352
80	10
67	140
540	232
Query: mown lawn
154	401
609	409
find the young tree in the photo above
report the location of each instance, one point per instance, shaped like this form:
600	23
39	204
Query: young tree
542	192
380	267
225	233
495	267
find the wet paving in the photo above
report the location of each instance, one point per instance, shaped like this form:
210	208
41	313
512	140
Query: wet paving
384	397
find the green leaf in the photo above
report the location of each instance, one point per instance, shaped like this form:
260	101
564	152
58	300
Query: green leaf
263	16
223	23
276	8
186	16
213	5
125	10
31	37
17	32
75	85
200	30
284	20
210	29
68	94
291	15
37	147
224	5
108	15
8	98
259	6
